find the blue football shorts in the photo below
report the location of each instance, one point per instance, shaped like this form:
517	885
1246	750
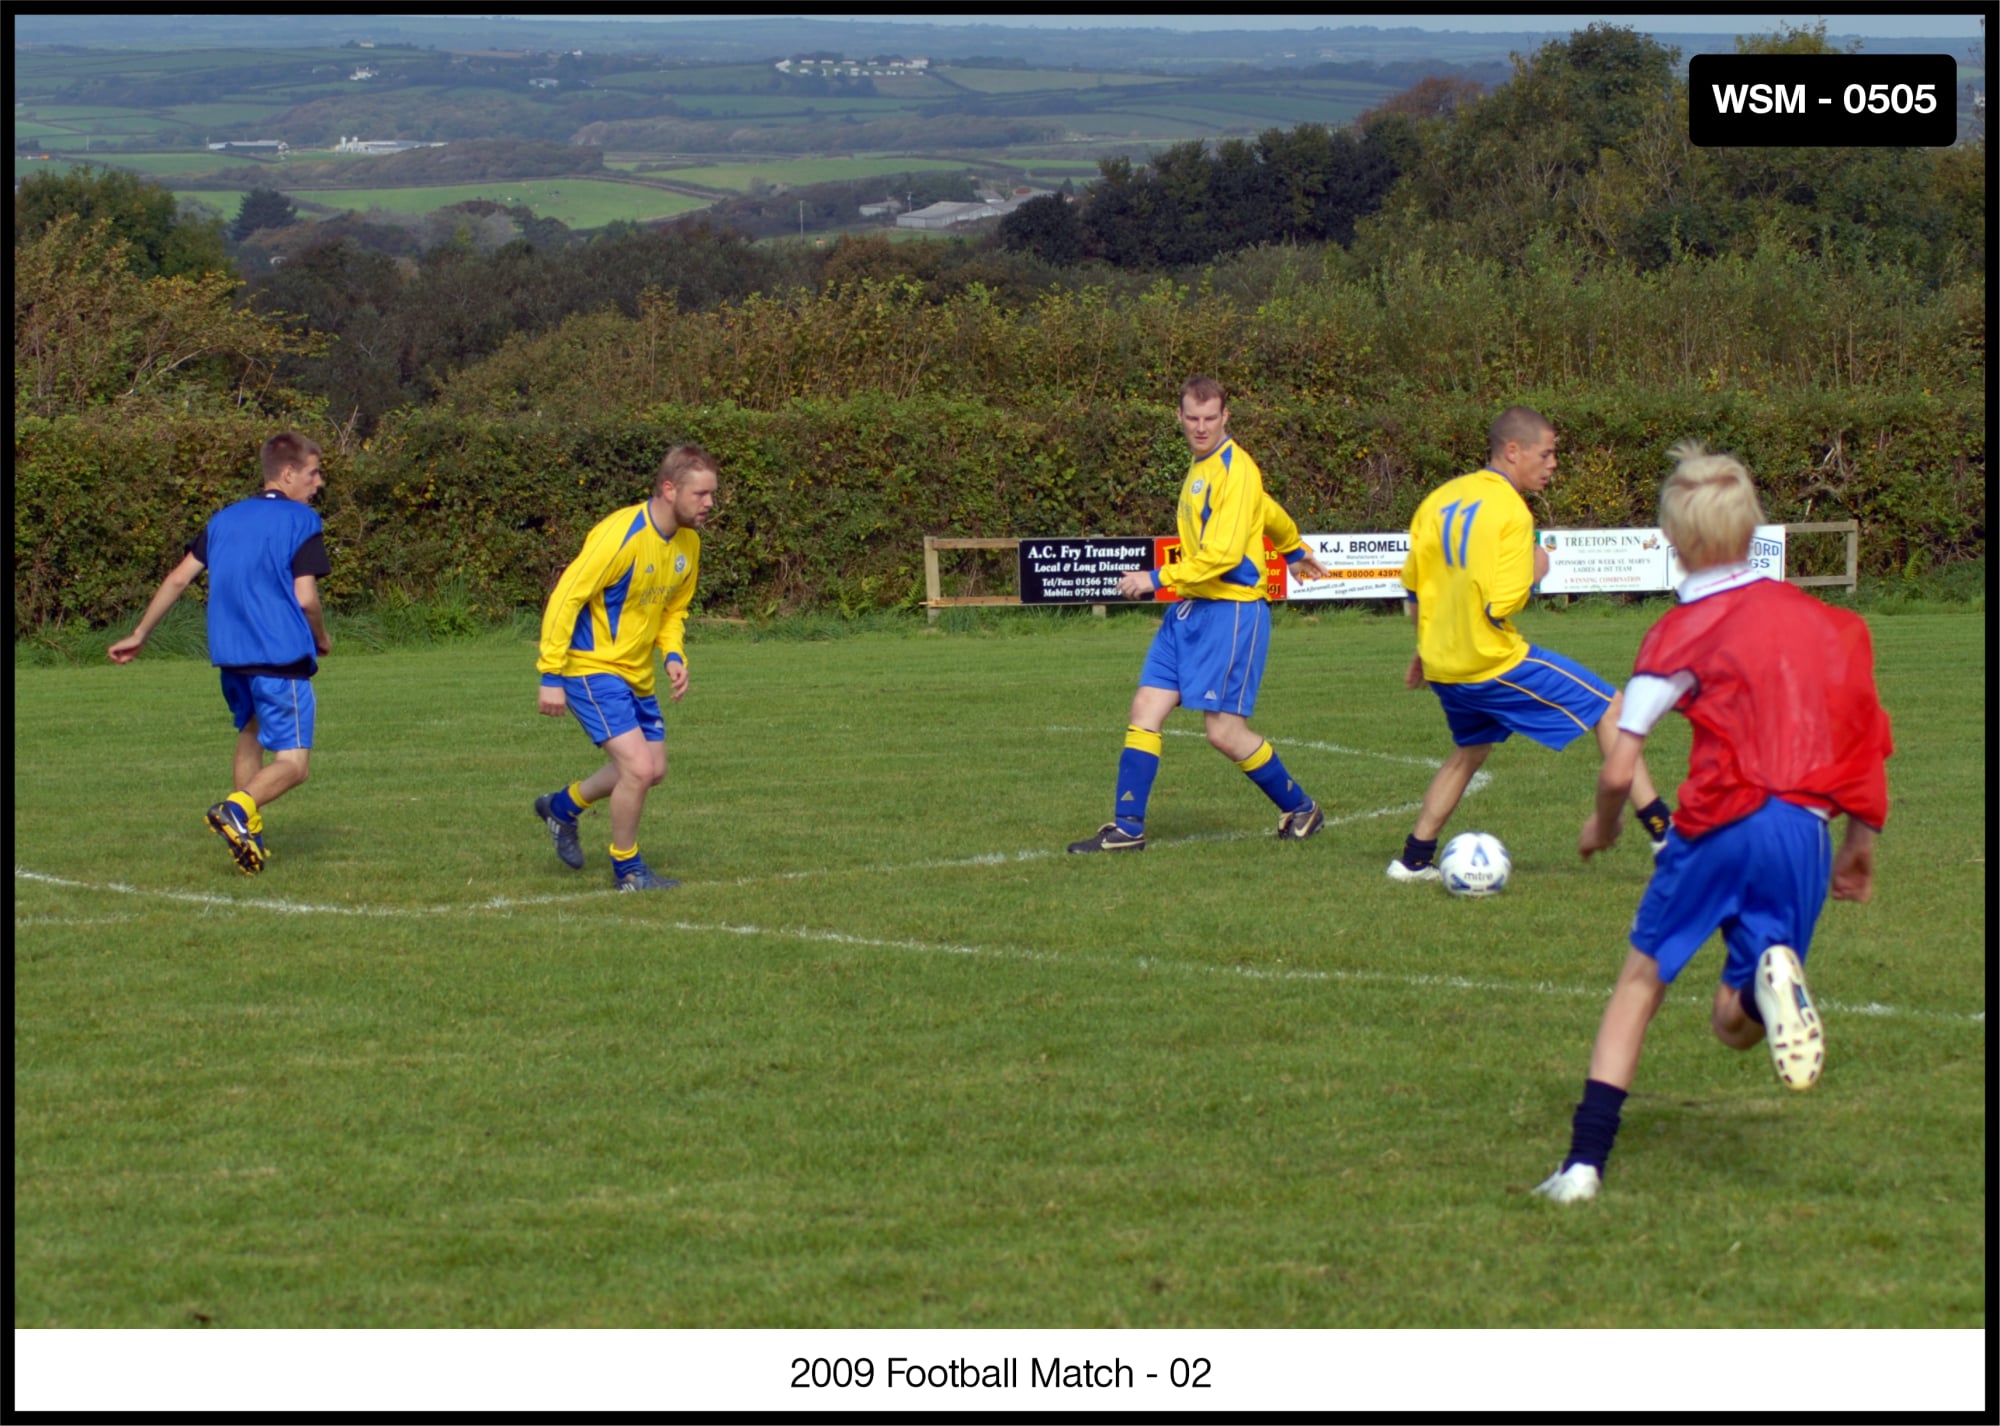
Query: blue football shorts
1545	696
1761	881
283	707
1211	652
606	705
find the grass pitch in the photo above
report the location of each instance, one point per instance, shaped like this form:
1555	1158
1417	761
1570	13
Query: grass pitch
889	1059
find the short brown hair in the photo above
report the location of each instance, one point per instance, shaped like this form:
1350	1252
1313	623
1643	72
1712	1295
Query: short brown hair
287	448
1204	388
1708	507
1516	423
682	461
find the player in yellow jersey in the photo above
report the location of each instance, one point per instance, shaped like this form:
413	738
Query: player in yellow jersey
1473	562
625	595
1209	652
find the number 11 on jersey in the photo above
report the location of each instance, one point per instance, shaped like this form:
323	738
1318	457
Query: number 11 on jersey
1464	531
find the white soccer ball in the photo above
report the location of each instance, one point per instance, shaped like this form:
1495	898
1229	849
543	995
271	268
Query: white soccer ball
1474	864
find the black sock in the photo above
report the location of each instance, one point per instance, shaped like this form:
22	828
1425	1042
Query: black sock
1419	854
1594	1128
1748	993
1656	817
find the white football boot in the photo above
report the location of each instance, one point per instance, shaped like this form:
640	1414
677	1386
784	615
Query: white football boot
1427	872
1791	1021
1576	1184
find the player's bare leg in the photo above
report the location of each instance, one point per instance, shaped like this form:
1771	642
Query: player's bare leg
1614	1060
636	768
248	759
286	770
239	819
1447	788
1731	1020
1230	735
1150	707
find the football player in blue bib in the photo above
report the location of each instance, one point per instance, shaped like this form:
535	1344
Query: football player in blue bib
265	557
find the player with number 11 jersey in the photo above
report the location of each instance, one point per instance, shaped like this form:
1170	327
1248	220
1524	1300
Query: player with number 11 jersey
1473	563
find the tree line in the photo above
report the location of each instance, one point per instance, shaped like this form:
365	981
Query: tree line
1846	346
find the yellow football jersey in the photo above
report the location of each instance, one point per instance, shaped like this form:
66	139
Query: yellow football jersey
1221	519
624	595
1471	564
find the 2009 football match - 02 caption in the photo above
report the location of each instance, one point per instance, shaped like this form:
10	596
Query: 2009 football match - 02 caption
1003	1374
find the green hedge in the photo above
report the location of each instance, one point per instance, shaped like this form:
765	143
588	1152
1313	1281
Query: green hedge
826	503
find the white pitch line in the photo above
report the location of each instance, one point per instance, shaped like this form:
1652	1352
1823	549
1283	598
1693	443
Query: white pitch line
1363	977
807	934
299	908
981	859
1040	853
1480	779
20	921
1280	743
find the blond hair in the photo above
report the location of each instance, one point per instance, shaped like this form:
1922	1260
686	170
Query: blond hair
1708	507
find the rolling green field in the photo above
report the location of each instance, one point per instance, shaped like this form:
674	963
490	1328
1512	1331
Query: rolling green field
226	119
887	1058
579	202
249	94
788	108
184	165
1039	81
1142	124
222	204
1275	109
917	88
741	177
25	166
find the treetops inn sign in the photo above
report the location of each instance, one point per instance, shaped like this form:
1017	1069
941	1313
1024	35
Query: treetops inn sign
1635	561
1059	569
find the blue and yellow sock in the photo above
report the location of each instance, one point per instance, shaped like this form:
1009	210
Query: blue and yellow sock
251	816
1264	768
569	803
625	861
1138	765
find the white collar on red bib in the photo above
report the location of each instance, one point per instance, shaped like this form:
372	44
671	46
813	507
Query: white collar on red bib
1715	579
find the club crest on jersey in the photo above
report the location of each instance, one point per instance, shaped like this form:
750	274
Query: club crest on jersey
680	564
1196	487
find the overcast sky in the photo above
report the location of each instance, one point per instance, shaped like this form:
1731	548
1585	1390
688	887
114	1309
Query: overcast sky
1915	23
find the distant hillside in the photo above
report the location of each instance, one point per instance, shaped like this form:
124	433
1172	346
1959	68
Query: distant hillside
1136	47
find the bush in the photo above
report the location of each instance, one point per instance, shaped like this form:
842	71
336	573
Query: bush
825	503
